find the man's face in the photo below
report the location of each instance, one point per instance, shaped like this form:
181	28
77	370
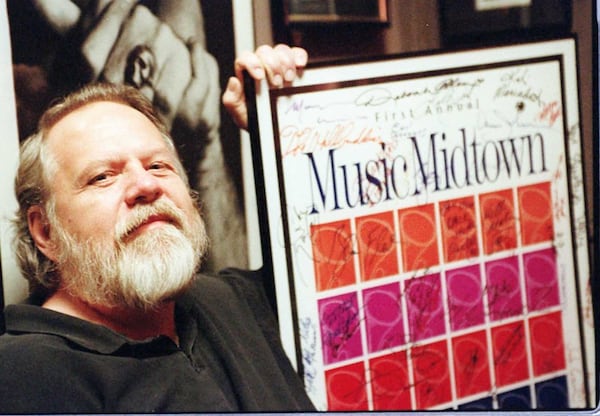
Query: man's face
123	215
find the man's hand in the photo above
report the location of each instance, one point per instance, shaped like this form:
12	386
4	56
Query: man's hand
279	65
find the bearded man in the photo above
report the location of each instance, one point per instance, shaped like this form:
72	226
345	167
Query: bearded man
110	237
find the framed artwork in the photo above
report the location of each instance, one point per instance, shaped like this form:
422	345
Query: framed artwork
473	22
158	47
423	218
335	11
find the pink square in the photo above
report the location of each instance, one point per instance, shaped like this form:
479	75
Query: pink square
425	307
383	317
340	328
465	297
541	279
503	289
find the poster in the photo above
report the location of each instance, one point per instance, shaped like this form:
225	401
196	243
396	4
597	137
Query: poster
178	53
425	220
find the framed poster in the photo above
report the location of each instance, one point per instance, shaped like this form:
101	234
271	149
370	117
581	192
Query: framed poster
474	22
336	11
424	222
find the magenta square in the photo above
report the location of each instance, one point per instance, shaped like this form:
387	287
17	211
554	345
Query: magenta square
425	307
340	328
503	289
383	317
541	279
465	297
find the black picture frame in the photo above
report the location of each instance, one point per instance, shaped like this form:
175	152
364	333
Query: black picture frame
322	306
335	11
463	24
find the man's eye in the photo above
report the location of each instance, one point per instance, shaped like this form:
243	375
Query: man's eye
158	166
99	179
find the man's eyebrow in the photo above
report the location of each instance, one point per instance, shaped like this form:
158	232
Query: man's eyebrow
95	165
93	168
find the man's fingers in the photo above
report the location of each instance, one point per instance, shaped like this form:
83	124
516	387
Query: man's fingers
280	65
250	62
234	101
300	57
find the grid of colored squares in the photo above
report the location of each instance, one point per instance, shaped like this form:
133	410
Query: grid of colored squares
396	345
485	357
382	251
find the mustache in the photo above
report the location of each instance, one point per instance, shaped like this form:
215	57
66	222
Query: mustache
161	209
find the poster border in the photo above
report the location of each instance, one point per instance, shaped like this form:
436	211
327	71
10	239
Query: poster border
348	80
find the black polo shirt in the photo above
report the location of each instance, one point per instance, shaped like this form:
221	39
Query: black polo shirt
229	359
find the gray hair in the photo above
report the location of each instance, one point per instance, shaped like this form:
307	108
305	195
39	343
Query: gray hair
37	167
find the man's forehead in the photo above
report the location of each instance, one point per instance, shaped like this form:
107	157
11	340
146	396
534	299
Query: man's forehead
102	120
90	114
103	130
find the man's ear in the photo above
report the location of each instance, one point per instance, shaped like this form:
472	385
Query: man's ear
39	228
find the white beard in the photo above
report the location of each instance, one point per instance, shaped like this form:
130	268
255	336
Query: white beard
139	272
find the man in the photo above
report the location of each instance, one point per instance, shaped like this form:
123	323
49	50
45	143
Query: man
110	238
161	48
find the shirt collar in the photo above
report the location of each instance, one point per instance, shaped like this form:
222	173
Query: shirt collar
22	319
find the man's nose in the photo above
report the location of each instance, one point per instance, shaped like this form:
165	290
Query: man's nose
143	187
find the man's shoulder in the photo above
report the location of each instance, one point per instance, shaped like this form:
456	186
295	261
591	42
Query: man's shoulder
233	295
231	284
28	345
25	355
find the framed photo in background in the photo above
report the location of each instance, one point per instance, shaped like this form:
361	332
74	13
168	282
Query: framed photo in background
335	11
472	22
178	53
424	222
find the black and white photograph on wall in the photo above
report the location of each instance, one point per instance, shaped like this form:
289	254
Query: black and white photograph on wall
176	52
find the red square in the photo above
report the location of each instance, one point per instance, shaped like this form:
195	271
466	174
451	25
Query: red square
431	374
390	383
346	388
547	344
471	365
510	358
332	254
377	246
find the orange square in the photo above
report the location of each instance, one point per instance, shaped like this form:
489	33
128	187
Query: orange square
332	254
535	211
498	221
418	237
376	246
459	229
